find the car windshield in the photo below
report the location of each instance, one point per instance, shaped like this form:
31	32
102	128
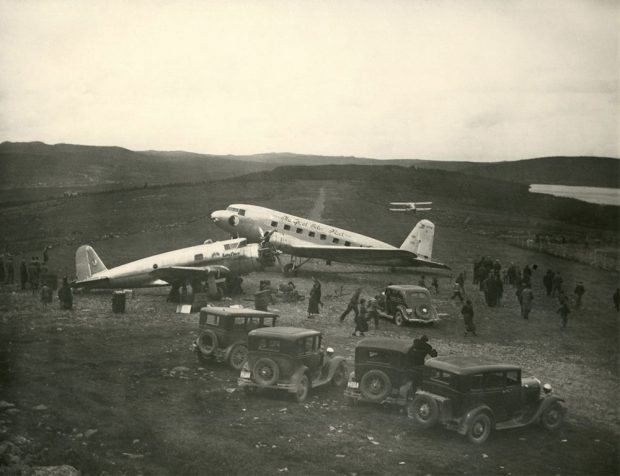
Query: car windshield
417	297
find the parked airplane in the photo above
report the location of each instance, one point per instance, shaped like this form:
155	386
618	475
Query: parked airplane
195	264
411	207
302	238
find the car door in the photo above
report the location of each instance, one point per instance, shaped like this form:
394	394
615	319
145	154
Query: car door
310	355
494	385
512	392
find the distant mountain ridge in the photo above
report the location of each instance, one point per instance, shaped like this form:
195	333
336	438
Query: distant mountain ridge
39	165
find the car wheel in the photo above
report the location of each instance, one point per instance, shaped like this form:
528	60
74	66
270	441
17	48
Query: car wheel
237	356
424	411
265	372
480	428
552	417
375	386
207	343
399	319
303	386
339	379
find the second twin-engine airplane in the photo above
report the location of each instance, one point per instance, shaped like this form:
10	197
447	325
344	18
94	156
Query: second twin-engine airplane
196	264
302	238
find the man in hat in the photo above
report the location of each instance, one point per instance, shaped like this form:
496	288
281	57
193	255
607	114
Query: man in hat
65	295
420	349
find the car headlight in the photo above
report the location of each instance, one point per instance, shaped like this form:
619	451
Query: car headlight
547	388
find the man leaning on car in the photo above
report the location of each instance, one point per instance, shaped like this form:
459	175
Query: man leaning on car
420	349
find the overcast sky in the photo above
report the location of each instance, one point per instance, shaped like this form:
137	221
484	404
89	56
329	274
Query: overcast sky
461	80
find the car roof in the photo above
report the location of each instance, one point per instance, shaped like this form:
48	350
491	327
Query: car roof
287	333
407	287
398	345
468	365
236	312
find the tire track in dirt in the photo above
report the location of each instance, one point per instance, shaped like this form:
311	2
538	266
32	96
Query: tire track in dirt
319	205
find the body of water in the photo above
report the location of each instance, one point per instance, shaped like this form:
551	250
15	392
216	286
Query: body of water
600	195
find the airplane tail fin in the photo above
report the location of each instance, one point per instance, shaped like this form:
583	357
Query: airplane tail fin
420	240
87	262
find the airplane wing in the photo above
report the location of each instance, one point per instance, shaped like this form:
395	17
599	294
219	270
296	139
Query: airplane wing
180	273
375	256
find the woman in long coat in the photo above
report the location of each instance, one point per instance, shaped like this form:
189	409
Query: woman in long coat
315	299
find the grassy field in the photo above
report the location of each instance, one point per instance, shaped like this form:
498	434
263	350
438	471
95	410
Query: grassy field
124	395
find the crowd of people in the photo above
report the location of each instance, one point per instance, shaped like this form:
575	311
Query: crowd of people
34	276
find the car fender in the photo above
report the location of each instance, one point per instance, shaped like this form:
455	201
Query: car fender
333	363
544	403
229	348
466	420
297	376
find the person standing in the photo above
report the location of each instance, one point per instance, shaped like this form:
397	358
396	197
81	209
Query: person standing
468	318
361	323
2	275
46	255
527	296
10	271
354	304
314	299
65	295
456	293
46	295
23	274
375	312
435	284
33	275
563	311
616	298
420	349
579	292
548	281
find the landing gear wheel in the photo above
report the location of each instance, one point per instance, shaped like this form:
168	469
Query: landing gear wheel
424	411
237	356
290	270
480	428
375	386
303	386
552	417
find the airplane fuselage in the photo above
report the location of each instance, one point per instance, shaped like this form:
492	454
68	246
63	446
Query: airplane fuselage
251	221
235	255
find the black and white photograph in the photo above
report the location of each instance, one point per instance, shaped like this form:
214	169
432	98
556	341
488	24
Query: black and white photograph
298	237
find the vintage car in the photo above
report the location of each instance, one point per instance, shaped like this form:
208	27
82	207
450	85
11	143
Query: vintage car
384	372
290	359
475	396
409	303
224	333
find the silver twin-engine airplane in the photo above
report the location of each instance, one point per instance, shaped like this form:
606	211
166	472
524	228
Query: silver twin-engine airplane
202	263
302	238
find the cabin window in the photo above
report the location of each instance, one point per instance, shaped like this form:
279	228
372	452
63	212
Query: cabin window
311	234
287	227
494	380
269	344
213	320
347	243
274	224
335	240
242	212
299	230
239	323
476	382
323	237
375	356
232	209
512	378
441	376
198	257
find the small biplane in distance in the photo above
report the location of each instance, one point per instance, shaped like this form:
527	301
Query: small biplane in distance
305	239
411	207
196	264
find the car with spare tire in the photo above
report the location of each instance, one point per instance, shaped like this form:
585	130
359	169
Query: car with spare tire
476	396
224	333
384	372
410	303
291	359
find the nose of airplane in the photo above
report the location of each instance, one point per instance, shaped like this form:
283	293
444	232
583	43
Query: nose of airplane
219	215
